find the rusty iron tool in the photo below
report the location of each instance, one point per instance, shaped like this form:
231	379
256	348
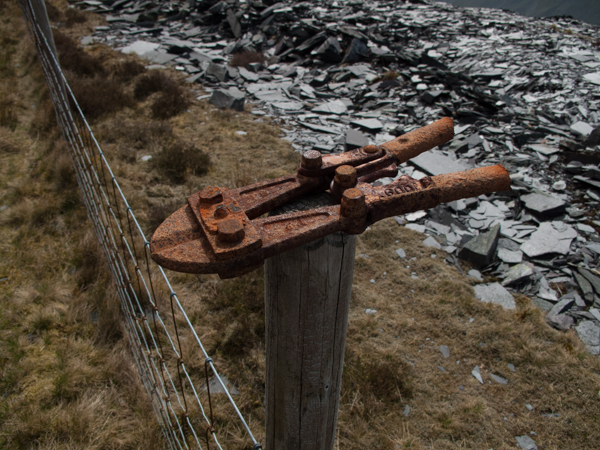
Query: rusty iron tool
219	231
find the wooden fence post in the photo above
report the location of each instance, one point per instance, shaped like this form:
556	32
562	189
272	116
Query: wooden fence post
307	298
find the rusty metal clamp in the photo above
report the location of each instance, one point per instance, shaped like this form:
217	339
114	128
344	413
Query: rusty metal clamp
219	230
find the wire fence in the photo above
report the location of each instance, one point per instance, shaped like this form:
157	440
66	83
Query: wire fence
155	320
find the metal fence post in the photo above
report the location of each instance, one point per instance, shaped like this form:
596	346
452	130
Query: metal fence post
307	298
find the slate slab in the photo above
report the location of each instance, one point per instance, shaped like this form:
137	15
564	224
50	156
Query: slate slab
548	239
356	51
544	205
231	98
495	293
333	107
509	256
368	124
140	47
526	442
436	163
355	139
589	333
581	128
480	250
517	274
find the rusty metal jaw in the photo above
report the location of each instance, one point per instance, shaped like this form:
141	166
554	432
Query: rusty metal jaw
220	230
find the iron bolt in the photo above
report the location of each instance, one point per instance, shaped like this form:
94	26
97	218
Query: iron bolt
221	212
370	149
211	195
230	230
354	204
345	176
312	159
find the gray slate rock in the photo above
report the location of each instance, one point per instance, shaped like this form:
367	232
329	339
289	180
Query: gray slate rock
356	51
495	293
436	163
480	250
526	443
548	239
560	321
589	333
355	139
445	351
330	50
517	274
231	98
544	205
218	71
234	23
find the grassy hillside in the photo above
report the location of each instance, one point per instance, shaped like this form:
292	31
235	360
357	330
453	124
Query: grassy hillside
584	10
67	379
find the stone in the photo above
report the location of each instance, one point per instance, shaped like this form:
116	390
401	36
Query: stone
401	253
218	71
354	139
480	250
544	149
561	307
430	96
589	333
495	293
517	274
593	139
544	205
247	75
561	322
526	442
594	280
436	163
333	107
140	47
234	23
547	239
356	51
231	98
432	242
581	129
474	273
498	379
445	351
406	411
329	50
368	124
592	78
477	374
510	257
586	287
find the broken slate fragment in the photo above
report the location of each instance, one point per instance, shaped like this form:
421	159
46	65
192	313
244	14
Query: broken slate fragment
332	107
480	250
330	50
371	125
517	274
543	204
581	129
401	253
356	51
140	47
495	293
231	98
591	278
552	237
355	139
509	256
432	242
498	379
445	351
476	374
589	333
436	163
526	443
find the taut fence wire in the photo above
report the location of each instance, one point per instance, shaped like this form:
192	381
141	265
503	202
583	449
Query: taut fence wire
155	320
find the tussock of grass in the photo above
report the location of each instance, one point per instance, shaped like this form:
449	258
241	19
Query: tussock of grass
178	159
127	70
99	96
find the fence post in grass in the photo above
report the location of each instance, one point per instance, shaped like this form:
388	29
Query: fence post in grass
41	16
307	298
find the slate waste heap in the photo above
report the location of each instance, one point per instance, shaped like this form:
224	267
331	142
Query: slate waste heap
523	92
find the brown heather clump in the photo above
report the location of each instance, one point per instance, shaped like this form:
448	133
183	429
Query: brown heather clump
177	160
242	59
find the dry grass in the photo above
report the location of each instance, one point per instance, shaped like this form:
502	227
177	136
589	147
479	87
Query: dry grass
66	375
243	59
